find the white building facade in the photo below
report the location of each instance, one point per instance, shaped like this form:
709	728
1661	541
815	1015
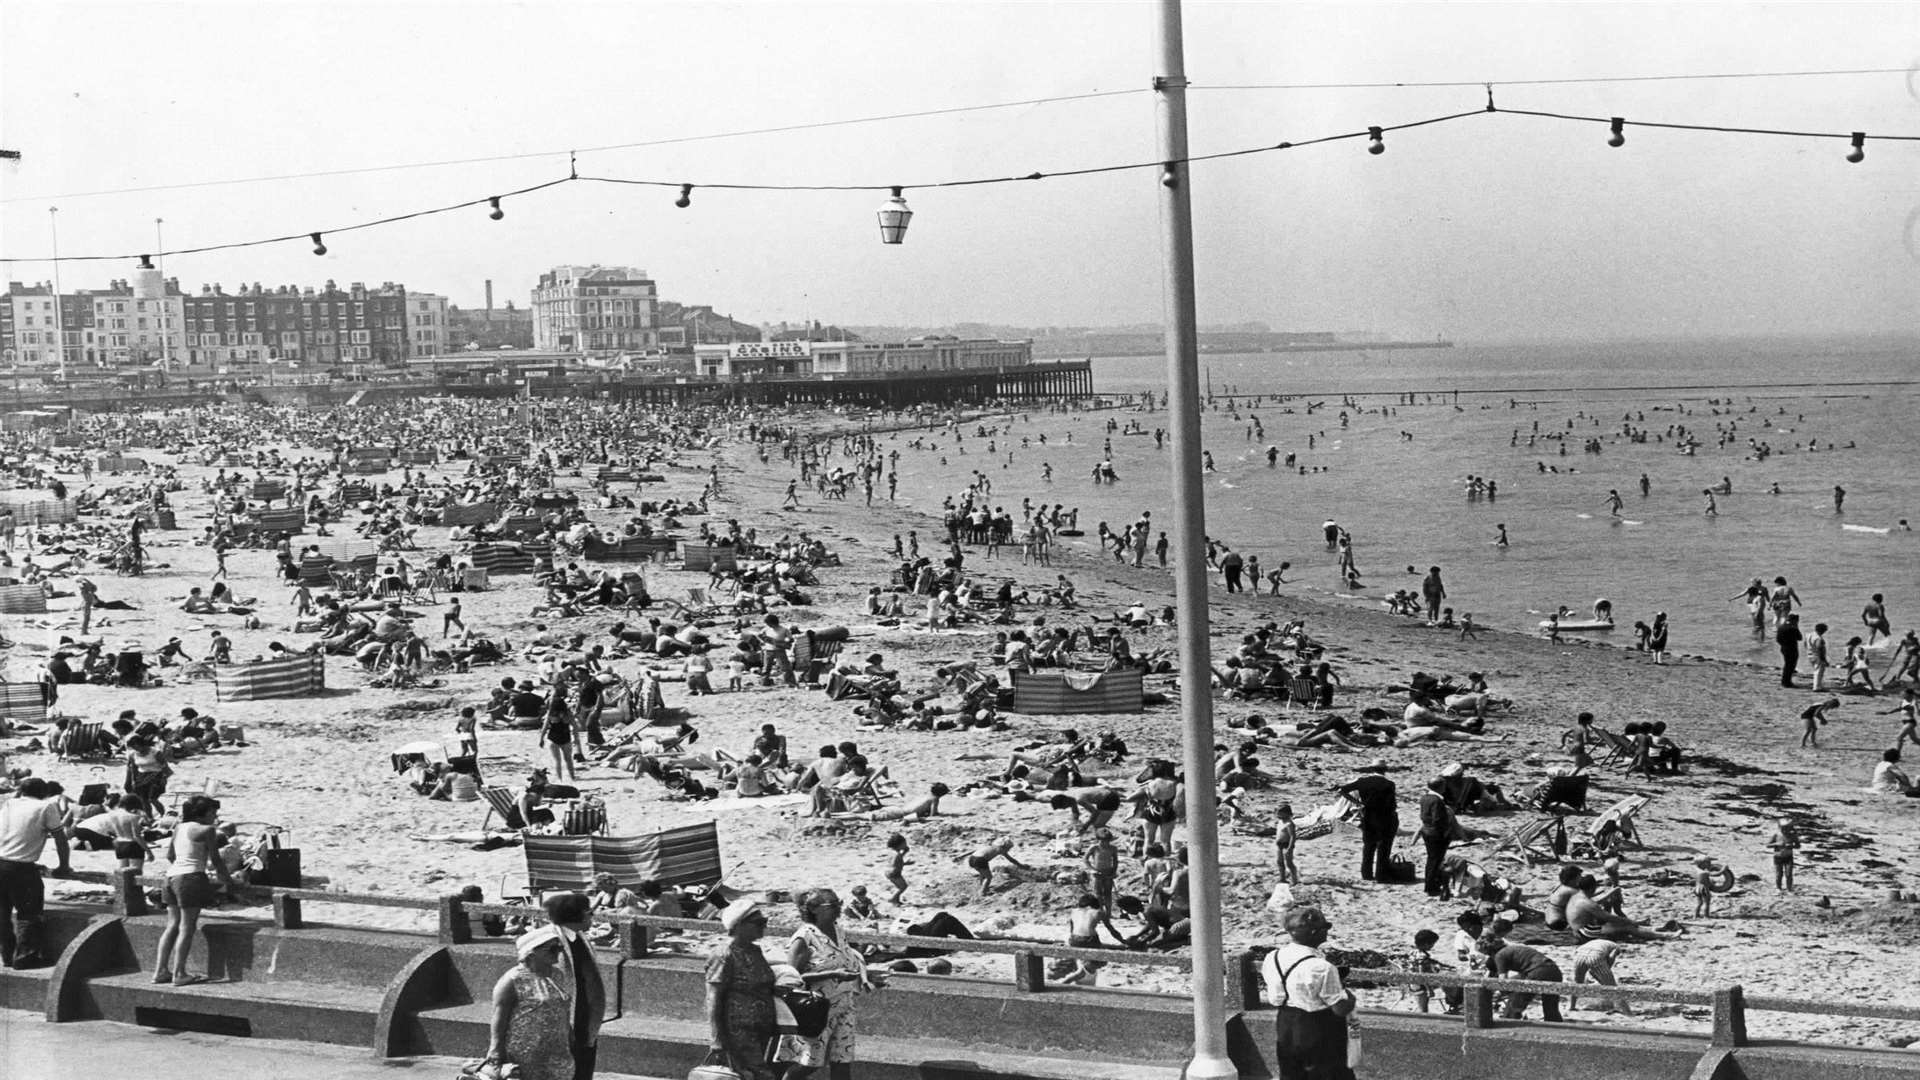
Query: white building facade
596	310
426	324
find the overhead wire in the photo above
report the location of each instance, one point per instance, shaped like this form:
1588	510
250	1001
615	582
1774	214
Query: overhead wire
1373	133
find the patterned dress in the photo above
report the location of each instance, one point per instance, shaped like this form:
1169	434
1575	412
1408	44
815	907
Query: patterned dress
836	1041
539	1031
747	1027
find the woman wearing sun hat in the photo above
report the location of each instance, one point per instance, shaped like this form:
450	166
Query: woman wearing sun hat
740	992
532	1010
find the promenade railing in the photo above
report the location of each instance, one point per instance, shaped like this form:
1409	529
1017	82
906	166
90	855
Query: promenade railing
638	937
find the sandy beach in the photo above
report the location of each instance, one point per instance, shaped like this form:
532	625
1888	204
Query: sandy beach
320	767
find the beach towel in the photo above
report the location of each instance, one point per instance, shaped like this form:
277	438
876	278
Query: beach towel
22	600
689	855
469	514
295	676
1058	692
708	557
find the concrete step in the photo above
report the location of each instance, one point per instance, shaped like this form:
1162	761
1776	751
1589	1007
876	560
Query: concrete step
311	1012
652	1045
25	989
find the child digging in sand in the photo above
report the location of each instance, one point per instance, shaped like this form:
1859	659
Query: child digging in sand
981	861
1816	717
897	870
1706	882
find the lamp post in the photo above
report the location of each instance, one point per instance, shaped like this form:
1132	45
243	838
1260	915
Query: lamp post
166	333
1210	1060
59	306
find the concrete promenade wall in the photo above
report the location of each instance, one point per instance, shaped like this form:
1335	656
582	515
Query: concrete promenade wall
399	994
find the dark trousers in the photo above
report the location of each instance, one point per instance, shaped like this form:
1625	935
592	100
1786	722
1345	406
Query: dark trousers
1789	663
583	1061
1232	574
1434	877
23	898
1376	847
1310	1046
1549	1003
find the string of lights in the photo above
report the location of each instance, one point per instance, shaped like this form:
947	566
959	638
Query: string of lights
894	214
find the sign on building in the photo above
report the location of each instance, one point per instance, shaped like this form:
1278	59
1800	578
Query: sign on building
770	350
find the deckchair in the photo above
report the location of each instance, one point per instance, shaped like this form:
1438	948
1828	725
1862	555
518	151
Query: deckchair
1532	841
84	741
811	656
1303	692
501	801
1619	747
1618	820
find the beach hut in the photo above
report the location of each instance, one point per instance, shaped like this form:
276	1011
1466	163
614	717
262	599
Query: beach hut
1057	692
293	676
686	856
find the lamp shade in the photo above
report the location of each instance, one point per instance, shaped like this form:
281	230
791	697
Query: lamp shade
894	217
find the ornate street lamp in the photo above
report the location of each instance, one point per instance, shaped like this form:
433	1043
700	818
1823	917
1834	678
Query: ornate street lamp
894	217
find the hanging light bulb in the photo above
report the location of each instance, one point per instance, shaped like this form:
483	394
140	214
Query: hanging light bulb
497	213
686	197
146	262
1376	141
1619	136
1859	152
319	245
894	217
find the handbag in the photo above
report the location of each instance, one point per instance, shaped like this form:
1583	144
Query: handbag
712	1069
800	1012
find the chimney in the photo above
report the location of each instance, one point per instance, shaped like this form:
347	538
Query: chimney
489	296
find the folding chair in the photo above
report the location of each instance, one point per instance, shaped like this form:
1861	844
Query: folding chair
1542	840
1619	748
1567	791
811	657
1302	692
84	741
1616	826
500	801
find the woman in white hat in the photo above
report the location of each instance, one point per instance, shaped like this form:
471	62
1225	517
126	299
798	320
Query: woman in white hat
532	1010
830	965
740	992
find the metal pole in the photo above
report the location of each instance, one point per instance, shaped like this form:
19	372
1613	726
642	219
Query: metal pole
1210	1060
59	305
166	342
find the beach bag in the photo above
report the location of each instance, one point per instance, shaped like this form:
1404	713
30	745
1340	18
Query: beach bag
800	1012
712	1069
1282	898
279	866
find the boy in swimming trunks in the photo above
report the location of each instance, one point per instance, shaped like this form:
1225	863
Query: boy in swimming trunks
1907	708
1783	842
981	861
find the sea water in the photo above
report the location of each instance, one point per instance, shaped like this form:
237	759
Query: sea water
1397	481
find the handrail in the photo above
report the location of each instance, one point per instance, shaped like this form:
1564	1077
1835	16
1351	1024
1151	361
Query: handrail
1730	1004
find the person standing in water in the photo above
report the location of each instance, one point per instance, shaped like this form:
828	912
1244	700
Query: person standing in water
1839	498
1614	502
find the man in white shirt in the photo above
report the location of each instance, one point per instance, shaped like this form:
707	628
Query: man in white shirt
1314	1006
26	822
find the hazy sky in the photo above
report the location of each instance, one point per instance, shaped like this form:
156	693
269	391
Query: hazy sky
1491	227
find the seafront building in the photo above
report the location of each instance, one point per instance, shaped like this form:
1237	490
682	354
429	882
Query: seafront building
596	311
859	359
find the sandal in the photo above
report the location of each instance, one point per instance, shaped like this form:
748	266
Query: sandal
163	976
189	980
